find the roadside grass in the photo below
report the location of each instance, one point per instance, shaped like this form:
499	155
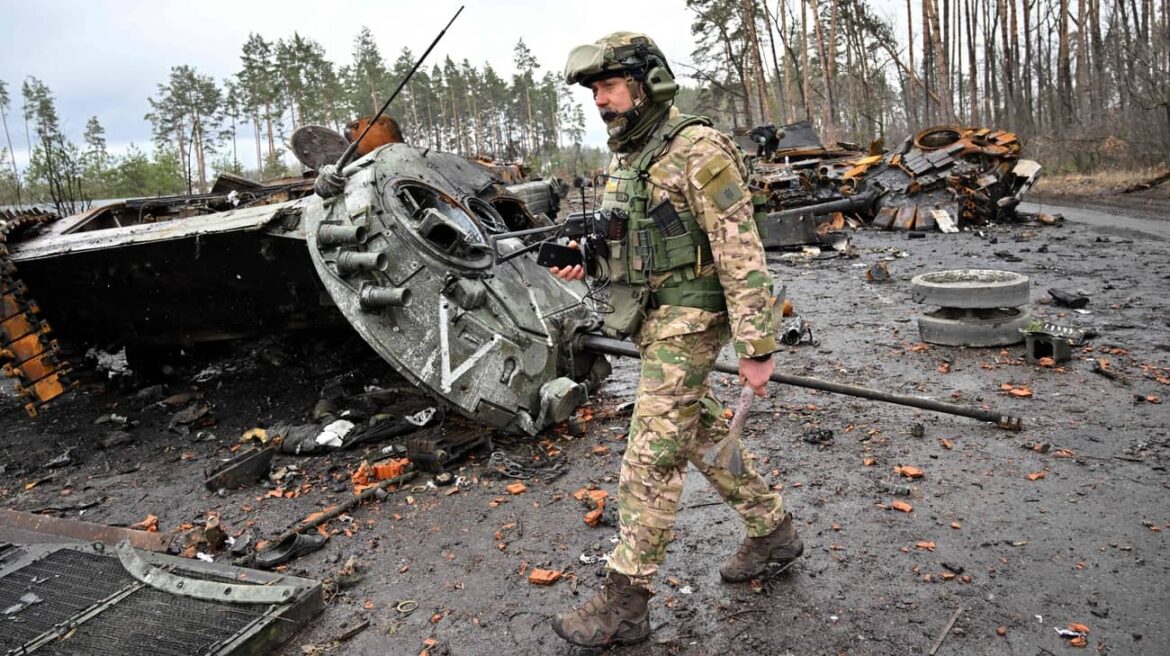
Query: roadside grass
1104	181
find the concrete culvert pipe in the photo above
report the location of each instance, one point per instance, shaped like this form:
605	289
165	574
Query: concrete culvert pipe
971	288
978	328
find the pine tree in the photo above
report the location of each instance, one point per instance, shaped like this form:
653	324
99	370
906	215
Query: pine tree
186	112
5	103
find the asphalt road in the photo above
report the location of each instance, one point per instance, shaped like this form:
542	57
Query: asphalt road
1107	220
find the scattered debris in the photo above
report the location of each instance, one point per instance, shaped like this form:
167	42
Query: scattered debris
150	524
945	630
544	576
248	466
1068	299
908	471
878	272
333	435
818	436
63	460
27	599
292	546
895	488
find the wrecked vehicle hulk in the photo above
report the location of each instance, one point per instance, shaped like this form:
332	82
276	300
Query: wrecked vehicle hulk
943	178
402	256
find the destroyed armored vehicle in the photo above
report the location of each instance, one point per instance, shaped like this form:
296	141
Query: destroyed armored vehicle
404	255
943	178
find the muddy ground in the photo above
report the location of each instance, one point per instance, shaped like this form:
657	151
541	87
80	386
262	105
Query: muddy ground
1084	543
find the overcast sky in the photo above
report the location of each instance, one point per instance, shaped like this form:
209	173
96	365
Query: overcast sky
104	58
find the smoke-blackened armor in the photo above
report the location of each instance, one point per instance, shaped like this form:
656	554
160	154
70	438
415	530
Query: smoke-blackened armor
717	267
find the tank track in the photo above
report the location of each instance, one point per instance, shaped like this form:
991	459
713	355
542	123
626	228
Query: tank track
28	352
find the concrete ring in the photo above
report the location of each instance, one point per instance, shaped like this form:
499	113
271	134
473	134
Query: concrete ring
950	327
971	288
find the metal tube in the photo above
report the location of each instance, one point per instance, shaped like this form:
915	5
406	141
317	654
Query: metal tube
330	234
353	262
608	345
373	297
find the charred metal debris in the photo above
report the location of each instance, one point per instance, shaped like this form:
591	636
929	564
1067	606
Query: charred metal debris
944	178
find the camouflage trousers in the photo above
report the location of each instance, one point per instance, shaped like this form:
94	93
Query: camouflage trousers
676	420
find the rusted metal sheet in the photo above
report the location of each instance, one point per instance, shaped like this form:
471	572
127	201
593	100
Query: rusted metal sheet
243	220
78	530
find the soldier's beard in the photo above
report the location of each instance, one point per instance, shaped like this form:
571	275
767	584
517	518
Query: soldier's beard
616	123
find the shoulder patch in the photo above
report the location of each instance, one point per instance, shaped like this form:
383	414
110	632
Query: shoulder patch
727	195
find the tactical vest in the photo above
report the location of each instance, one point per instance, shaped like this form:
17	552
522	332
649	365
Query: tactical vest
646	251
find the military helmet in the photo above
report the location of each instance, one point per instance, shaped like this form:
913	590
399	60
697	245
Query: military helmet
614	54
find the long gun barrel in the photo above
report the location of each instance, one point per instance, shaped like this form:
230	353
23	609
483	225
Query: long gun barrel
850	204
610	346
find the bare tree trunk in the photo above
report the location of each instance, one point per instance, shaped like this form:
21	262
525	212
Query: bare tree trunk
271	136
828	131
1064	70
12	155
928	61
782	102
972	62
753	42
790	101
941	67
834	17
1029	94
910	100
990	95
804	58
200	160
1082	79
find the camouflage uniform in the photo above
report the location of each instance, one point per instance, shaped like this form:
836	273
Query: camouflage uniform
676	419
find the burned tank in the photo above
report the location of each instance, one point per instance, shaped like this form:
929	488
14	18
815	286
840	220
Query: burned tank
405	253
404	256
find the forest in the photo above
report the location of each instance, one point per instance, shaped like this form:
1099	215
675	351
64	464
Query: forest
1084	83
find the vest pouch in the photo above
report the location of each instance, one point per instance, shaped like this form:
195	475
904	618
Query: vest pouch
629	310
678	252
617	260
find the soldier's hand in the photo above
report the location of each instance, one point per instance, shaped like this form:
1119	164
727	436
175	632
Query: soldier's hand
755	374
575	272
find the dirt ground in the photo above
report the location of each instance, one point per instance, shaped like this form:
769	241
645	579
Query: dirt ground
1012	536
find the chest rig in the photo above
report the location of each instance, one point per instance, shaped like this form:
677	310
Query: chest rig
661	256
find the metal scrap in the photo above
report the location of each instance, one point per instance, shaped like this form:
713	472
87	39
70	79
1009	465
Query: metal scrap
943	178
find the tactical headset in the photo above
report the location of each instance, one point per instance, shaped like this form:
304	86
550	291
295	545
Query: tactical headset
653	72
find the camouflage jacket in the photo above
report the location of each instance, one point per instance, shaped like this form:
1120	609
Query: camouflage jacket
701	169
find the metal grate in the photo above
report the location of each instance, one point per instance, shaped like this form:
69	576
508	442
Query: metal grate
89	604
153	622
66	581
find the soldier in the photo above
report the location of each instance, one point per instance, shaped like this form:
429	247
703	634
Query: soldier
686	271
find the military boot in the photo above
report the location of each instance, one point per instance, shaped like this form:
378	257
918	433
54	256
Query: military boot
781	546
617	615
